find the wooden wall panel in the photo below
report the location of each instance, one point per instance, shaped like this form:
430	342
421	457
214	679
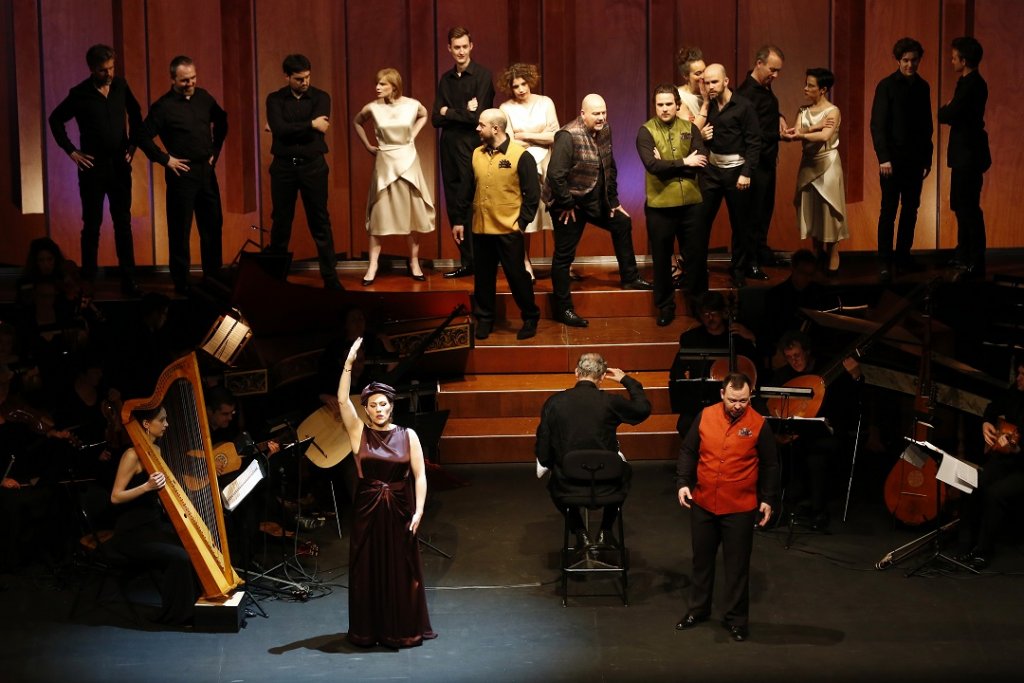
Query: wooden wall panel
618	49
1002	66
16	228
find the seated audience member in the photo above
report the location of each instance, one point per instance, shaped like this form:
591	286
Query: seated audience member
584	417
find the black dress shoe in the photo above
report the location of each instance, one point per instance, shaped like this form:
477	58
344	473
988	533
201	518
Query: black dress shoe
461	271
582	540
483	329
884	275
737	633
368	282
639	283
689	621
529	329
665	317
333	284
604	537
418	278
572	319
756	273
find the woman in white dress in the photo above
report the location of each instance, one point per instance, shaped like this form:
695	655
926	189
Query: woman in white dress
820	187
690	61
532	122
399	201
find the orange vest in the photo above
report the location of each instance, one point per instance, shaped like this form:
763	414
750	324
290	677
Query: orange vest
727	461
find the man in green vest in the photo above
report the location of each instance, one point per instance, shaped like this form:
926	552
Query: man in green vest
672	153
499	201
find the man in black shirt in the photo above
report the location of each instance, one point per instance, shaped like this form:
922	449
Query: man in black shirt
463	92
967	155
100	106
758	89
733	135
298	118
901	131
192	127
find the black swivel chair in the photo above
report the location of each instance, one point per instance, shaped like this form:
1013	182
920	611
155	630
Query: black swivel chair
593	479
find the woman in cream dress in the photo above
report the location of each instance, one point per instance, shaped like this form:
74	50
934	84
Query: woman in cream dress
532	122
820	188
399	202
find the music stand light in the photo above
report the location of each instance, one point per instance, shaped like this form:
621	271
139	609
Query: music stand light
228	336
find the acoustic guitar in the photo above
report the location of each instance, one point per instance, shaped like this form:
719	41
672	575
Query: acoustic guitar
330	443
1007	438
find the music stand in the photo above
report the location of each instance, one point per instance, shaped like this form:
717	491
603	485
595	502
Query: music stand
697	391
951	471
796	427
296	450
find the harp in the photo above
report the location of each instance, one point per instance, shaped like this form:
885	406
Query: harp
185	453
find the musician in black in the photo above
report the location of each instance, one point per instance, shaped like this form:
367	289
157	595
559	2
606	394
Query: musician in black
812	461
142	534
714	332
1001	480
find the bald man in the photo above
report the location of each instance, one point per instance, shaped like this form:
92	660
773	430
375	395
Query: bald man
499	199
580	188
733	136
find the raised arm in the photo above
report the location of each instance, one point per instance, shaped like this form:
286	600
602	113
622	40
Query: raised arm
349	416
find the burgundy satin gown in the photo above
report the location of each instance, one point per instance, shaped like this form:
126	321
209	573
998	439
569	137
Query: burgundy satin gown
386	600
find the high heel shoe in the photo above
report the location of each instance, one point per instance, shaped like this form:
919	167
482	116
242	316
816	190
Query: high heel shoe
418	278
369	281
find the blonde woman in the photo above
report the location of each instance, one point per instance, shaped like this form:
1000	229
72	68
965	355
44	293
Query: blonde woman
399	201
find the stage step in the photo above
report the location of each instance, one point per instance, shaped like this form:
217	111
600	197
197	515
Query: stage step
519	395
512	439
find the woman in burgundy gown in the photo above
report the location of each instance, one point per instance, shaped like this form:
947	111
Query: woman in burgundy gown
386	600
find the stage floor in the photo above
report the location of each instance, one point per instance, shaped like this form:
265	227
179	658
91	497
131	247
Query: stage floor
820	610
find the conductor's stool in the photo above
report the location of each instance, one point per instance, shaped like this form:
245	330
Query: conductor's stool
591	480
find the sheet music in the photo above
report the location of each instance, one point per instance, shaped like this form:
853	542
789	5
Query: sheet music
226	338
958	474
235	492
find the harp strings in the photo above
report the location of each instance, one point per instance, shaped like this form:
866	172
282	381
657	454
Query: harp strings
189	455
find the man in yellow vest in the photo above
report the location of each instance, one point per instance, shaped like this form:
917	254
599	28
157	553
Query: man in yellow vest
498	202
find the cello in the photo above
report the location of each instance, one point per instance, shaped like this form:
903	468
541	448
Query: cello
734	363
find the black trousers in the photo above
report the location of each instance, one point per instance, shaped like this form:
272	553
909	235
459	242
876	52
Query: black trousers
718	184
666	226
762	207
160	548
965	201
1000	493
900	189
287	181
456	152
110	178
194	193
567	238
735	533
508	250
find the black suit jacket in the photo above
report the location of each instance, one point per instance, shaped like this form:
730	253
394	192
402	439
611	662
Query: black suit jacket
584	417
965	116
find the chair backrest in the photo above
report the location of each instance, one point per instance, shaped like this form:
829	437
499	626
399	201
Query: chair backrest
592	478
